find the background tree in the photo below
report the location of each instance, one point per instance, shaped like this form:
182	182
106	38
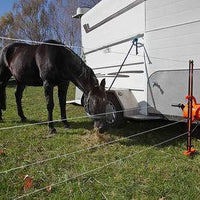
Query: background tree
31	19
40	20
6	22
64	27
6	26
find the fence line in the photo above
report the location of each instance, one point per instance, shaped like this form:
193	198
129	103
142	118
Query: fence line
73	118
89	148
99	168
80	47
37	42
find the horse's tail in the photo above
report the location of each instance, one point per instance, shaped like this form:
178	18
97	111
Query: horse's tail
5	75
5	55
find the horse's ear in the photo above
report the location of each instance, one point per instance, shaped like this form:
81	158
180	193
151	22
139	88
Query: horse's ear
103	83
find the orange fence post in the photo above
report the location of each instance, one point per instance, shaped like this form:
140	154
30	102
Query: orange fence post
190	117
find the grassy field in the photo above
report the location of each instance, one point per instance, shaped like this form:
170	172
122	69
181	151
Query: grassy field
104	172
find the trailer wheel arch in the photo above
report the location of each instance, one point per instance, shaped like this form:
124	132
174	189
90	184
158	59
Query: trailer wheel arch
116	119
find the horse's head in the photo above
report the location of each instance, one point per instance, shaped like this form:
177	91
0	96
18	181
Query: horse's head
95	106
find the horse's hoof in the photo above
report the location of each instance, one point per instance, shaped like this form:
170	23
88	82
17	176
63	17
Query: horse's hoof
52	131
67	126
23	119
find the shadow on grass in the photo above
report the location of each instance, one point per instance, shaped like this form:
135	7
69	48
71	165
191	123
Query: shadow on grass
77	125
27	121
135	127
153	137
73	125
131	129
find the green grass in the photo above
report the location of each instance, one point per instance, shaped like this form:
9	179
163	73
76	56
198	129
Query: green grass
154	173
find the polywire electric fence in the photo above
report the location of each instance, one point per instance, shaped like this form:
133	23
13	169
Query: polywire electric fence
107	164
89	148
83	48
72	118
84	150
101	167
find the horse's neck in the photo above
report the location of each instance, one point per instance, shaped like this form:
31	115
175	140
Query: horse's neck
86	80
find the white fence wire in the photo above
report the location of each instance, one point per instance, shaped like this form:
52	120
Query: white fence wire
89	148
99	168
83	48
72	118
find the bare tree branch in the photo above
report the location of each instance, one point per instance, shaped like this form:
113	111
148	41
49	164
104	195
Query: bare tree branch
45	19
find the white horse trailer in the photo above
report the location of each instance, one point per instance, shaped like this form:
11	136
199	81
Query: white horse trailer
156	76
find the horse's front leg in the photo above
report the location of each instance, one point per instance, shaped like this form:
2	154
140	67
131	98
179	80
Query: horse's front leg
18	96
1	119
62	93
48	92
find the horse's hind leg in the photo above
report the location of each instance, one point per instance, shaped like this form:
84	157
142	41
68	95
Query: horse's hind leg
48	91
62	93
18	96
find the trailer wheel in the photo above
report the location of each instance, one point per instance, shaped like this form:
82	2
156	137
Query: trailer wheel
115	117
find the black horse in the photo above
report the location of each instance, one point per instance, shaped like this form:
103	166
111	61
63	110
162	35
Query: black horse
48	65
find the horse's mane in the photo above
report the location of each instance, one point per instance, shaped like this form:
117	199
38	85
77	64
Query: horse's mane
1	57
53	42
88	74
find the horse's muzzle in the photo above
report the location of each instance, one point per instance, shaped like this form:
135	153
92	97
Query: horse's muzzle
100	125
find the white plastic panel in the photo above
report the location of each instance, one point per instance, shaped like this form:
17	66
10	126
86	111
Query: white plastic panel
107	62
115	55
172	34
167	13
171	40
124	26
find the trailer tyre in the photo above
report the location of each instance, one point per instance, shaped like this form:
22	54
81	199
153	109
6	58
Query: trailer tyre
115	117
